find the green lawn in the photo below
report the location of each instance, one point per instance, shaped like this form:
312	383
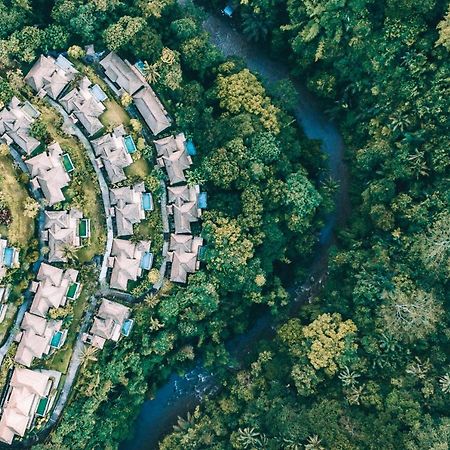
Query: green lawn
114	115
61	358
8	320
15	195
140	168
83	191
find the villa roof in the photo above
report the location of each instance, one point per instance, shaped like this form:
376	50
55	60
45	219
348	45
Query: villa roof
15	124
51	291
35	338
84	105
152	110
127	202
26	388
48	173
183	255
112	150
173	155
125	261
109	320
122	73
183	194
61	232
50	76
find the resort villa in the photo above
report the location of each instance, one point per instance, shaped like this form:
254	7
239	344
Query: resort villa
127	261
110	323
124	77
48	173
63	231
183	254
9	258
128	207
113	154
53	288
37	338
173	156
50	76
83	106
15	125
30	394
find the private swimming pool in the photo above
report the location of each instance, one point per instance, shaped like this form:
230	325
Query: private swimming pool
129	144
67	163
84	228
147	201
127	326
8	257
56	339
146	261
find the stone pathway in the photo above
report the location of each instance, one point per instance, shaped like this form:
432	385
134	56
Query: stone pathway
74	365
72	129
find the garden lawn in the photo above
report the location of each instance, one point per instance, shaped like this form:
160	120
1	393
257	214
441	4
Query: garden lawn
8	320
21	230
84	183
61	358
140	168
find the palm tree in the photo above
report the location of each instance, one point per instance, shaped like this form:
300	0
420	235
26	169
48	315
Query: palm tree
348	377
88	354
184	424
69	253
248	437
444	382
314	443
255	28
151	72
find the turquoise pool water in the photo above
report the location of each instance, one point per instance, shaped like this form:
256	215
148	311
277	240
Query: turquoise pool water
146	261
8	257
190	148
127	326
129	144
147	201
56	339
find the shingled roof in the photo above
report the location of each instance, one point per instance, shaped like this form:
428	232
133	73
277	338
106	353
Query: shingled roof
49	76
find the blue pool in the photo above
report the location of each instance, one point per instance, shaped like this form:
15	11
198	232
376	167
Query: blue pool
56	340
129	144
8	257
147	201
202	200
98	93
126	327
190	148
146	261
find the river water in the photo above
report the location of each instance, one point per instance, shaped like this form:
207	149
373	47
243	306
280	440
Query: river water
182	393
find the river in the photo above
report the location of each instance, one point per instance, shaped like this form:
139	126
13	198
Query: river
182	393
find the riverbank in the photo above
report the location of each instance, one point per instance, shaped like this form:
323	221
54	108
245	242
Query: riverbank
181	394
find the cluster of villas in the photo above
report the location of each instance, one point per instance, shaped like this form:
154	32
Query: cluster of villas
30	393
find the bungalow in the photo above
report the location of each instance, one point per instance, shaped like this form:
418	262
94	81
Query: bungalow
183	254
152	110
173	156
127	261
110	323
9	257
84	106
30	393
49	76
126	78
112	154
183	205
48	173
127	207
53	288
15	125
37	338
61	231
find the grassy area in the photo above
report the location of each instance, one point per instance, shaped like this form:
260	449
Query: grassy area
140	168
8	320
83	191
114	115
15	195
61	358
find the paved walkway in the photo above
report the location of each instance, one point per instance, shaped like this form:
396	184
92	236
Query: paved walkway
72	129
75	362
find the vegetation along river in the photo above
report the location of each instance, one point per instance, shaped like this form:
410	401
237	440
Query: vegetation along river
181	394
